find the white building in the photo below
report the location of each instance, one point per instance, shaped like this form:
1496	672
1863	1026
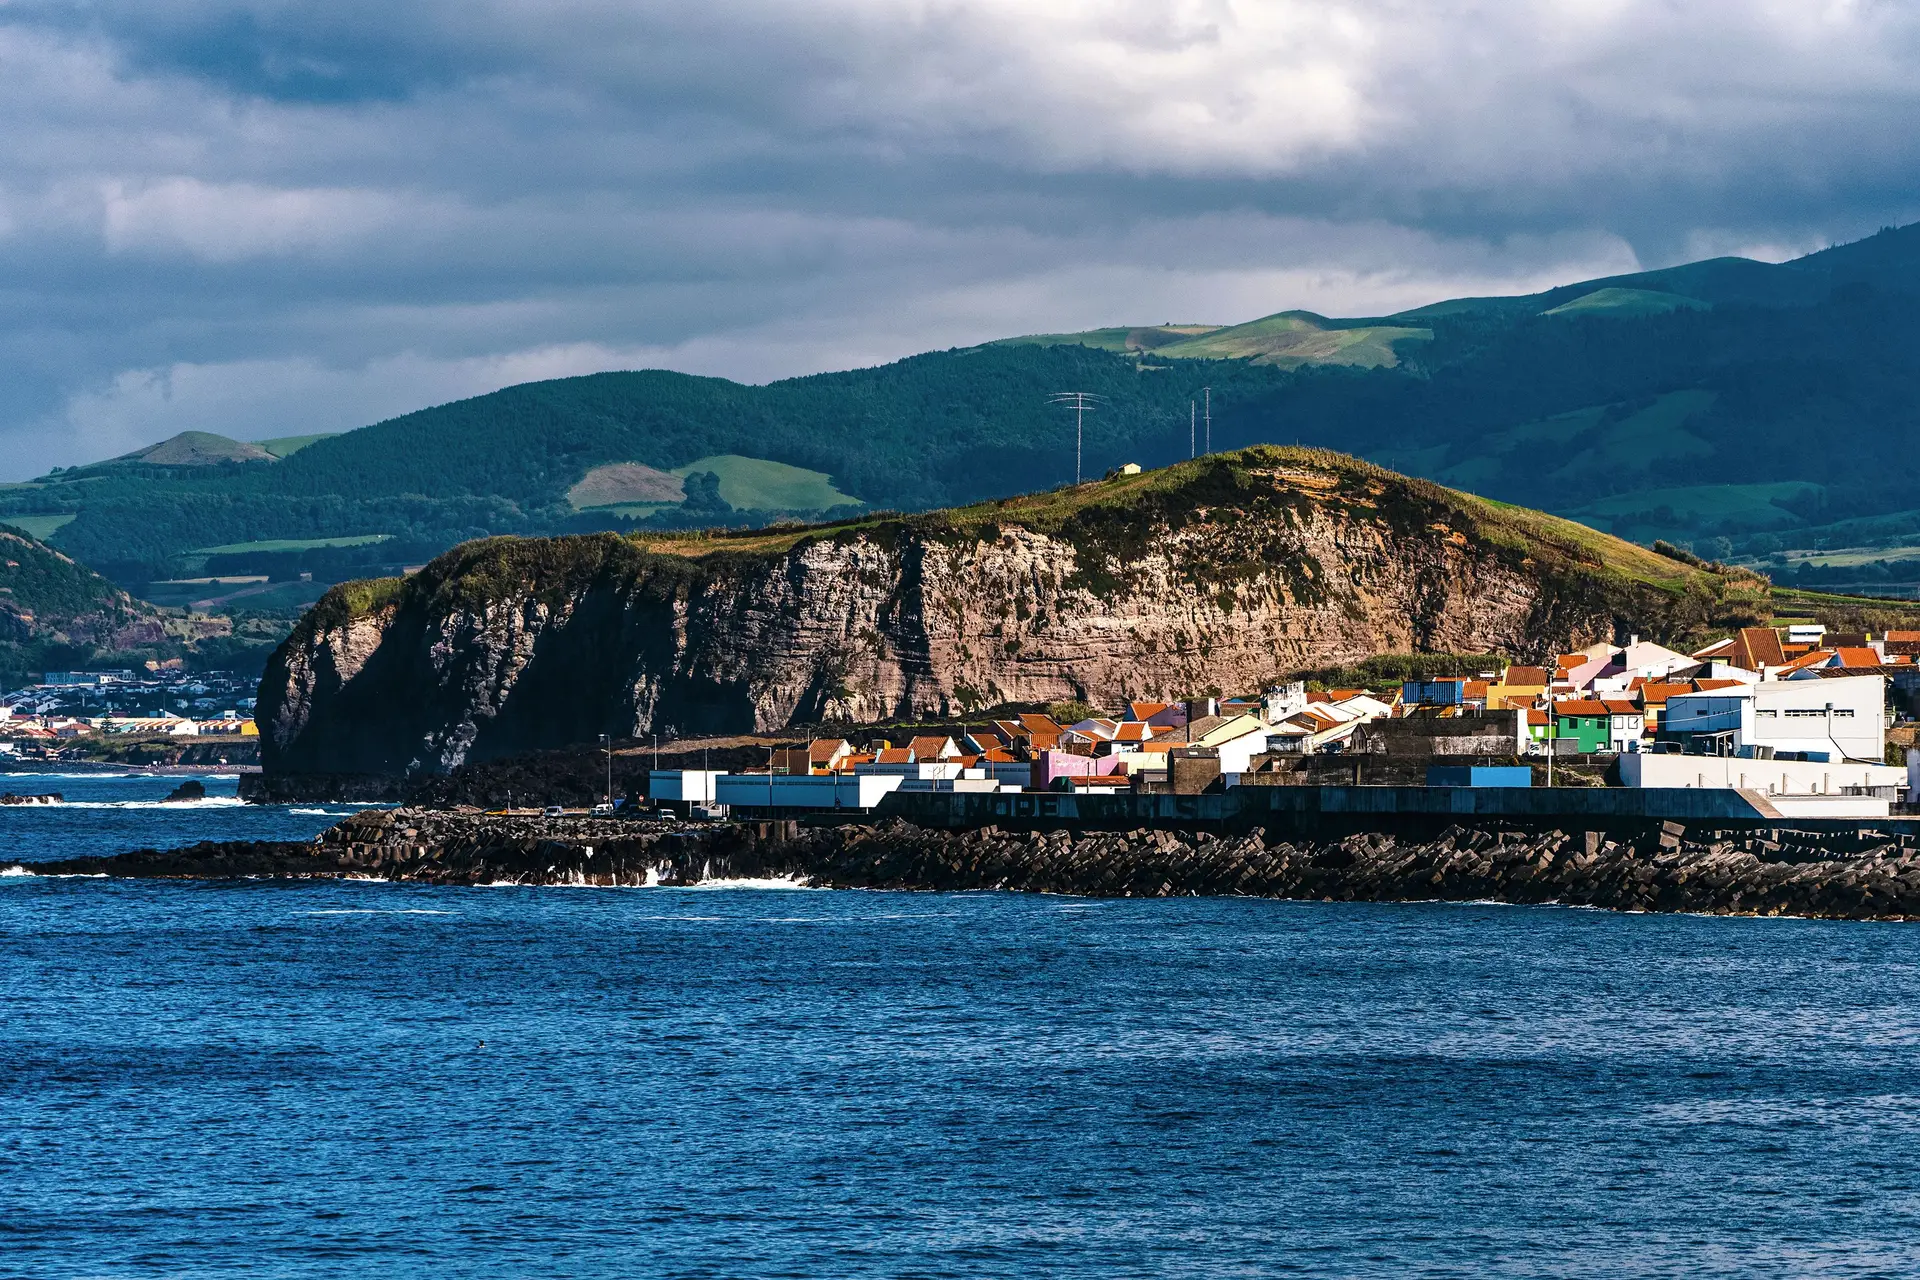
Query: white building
843	791
1844	718
1770	778
683	786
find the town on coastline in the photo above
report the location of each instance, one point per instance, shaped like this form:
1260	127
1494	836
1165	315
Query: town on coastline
1798	721
157	717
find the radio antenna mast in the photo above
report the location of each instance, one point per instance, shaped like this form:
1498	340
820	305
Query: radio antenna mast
1209	394
1082	403
1193	434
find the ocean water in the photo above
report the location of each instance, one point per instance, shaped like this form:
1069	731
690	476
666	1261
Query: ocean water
362	1079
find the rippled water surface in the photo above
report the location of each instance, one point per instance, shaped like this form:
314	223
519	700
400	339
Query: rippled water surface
373	1080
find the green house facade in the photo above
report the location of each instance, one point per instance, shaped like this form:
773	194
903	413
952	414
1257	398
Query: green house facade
1590	731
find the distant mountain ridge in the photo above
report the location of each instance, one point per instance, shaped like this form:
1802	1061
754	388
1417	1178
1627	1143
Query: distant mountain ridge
1736	405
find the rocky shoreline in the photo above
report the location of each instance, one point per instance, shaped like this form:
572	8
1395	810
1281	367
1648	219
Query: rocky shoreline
1861	875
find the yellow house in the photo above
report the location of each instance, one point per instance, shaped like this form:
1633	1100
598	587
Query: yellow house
1517	687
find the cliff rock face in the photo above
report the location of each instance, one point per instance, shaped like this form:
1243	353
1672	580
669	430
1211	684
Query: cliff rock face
1217	575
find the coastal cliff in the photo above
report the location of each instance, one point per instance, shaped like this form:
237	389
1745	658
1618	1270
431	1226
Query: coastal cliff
1220	574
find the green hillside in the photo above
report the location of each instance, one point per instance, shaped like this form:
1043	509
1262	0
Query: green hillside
1616	301
1150	337
1295	338
57	614
1288	340
1789	390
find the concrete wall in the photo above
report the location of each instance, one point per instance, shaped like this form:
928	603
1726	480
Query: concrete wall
1768	777
1371	808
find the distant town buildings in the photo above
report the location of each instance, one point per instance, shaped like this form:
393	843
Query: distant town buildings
66	711
1785	713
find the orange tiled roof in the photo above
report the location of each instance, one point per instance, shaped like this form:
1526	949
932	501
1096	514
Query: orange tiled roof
1852	657
1525	677
1580	707
1810	659
1759	647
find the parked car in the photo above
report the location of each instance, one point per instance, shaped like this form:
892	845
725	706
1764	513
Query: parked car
706	813
603	811
555	811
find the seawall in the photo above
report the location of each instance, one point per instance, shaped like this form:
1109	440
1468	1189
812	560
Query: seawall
1861	873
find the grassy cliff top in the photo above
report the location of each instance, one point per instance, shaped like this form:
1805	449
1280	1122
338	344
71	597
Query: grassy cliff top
1113	524
1293	474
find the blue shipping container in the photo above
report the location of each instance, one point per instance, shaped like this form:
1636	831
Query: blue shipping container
1460	775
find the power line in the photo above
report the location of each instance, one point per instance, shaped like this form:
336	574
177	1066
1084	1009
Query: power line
1082	403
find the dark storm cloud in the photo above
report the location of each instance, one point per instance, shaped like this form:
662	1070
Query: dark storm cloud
262	218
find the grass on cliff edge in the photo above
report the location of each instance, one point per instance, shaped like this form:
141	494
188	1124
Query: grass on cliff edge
1551	543
1312	471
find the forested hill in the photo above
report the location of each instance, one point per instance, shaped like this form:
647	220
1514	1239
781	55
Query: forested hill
55	613
936	429
1740	407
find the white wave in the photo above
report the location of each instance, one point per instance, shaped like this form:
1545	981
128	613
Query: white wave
17	870
754	882
210	802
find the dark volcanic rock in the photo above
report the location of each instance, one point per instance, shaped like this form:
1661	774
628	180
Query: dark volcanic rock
1863	875
191	789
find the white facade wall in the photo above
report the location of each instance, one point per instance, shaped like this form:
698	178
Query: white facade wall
1237	756
921	771
1846	716
1769	777
687	786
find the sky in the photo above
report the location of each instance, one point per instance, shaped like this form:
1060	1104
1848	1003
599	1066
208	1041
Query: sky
267	218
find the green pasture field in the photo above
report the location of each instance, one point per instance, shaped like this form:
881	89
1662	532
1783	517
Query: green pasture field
291	544
755	484
41	527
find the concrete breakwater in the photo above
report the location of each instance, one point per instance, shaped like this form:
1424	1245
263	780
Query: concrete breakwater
1862	874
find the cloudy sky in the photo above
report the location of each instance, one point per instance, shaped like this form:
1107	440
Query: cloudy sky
267	218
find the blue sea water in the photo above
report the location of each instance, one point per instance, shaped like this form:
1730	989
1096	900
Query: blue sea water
357	1079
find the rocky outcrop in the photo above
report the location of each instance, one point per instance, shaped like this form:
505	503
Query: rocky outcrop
1221	574
1864	874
